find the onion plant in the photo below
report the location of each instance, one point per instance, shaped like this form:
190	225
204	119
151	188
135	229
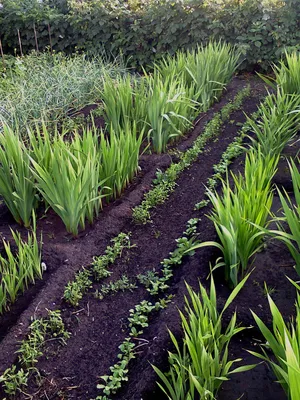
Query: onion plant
239	213
48	87
284	342
287	76
16	178
278	122
199	366
291	211
18	270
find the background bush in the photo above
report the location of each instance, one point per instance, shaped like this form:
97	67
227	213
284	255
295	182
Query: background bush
145	30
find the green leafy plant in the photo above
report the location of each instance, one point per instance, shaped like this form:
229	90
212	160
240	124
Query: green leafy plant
13	380
211	68
239	213
16	178
291	215
75	290
70	180
119	158
20	269
169	110
283	342
278	122
200	365
286	74
15	377
124	101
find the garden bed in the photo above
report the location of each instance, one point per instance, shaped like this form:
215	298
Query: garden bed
99	326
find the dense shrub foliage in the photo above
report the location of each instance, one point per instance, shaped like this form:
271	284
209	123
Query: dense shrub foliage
144	30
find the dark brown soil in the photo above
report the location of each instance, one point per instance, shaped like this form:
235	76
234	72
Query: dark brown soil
98	327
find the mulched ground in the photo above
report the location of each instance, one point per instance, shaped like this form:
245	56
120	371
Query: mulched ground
98	327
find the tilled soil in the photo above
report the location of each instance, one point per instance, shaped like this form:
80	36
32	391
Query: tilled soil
99	327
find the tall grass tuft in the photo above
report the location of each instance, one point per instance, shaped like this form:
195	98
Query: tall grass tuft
16	178
124	101
239	213
201	364
291	216
284	342
211	68
74	172
170	110
70	182
287	76
119	158
207	70
18	270
278	122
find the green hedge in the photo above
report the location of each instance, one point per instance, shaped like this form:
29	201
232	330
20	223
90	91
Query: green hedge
144	30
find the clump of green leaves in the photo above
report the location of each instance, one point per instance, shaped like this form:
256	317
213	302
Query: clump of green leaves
14	378
284	342
19	269
169	110
205	70
200	365
70	180
121	284
286	74
278	122
125	101
291	215
239	213
119	158
16	178
75	290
